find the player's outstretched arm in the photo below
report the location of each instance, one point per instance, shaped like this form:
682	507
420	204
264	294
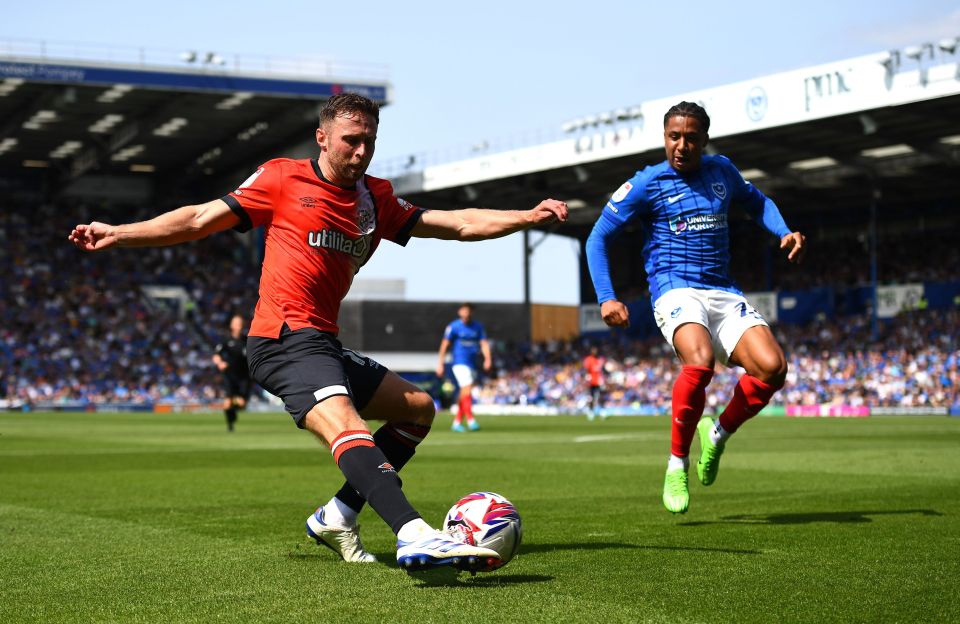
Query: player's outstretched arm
177	226
475	224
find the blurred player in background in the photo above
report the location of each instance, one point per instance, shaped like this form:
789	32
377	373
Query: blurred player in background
230	358
683	205
466	339
323	219
594	365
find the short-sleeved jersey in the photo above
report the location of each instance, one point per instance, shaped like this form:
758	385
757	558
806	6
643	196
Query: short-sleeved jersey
233	351
464	341
317	236
685	221
594	366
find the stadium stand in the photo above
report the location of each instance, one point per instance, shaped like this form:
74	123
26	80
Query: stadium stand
80	331
915	363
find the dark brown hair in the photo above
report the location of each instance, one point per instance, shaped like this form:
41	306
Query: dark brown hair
348	104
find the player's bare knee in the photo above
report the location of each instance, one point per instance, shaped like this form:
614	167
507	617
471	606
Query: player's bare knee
422	408
772	371
699	357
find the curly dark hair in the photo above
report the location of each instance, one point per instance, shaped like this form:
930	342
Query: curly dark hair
348	104
689	109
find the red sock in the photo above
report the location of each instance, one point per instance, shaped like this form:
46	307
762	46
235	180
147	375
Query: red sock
468	406
749	397
461	409
689	397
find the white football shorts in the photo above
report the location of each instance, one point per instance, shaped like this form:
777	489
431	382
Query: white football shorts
726	316
464	374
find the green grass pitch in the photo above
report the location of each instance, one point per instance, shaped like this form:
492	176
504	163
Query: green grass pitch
167	518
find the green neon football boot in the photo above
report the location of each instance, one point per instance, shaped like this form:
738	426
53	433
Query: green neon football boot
710	453
676	496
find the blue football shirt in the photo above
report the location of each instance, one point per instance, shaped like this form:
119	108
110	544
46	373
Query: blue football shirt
684	217
465	341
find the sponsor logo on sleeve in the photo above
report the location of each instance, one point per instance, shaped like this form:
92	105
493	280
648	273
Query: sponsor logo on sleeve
404	204
621	192
249	181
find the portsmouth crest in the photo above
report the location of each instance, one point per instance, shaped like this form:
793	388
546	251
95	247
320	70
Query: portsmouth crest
719	189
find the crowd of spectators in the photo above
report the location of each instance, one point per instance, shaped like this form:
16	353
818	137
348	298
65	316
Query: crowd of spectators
915	362
77	328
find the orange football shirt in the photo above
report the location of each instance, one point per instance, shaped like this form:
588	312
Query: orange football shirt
594	366
317	236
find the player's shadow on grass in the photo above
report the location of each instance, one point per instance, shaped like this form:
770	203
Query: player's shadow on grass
534	548
729	551
448	577
838	517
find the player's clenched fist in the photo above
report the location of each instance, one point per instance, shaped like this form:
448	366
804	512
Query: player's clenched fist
615	314
548	211
93	237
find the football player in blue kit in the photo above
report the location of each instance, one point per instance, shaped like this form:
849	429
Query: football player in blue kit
465	338
683	204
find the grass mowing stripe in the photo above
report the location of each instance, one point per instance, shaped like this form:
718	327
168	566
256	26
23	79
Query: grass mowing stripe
810	521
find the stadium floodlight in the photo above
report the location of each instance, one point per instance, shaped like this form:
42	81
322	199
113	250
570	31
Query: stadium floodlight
470	193
916	52
869	123
576	204
581	174
891	61
753	174
10	85
189	56
38	164
948	45
142	168
813	163
622	114
212	58
605	118
636	112
887	151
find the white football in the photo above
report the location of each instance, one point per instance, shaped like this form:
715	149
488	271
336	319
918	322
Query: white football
486	519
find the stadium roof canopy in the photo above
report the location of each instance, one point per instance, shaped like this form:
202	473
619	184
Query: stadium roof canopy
820	138
66	112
